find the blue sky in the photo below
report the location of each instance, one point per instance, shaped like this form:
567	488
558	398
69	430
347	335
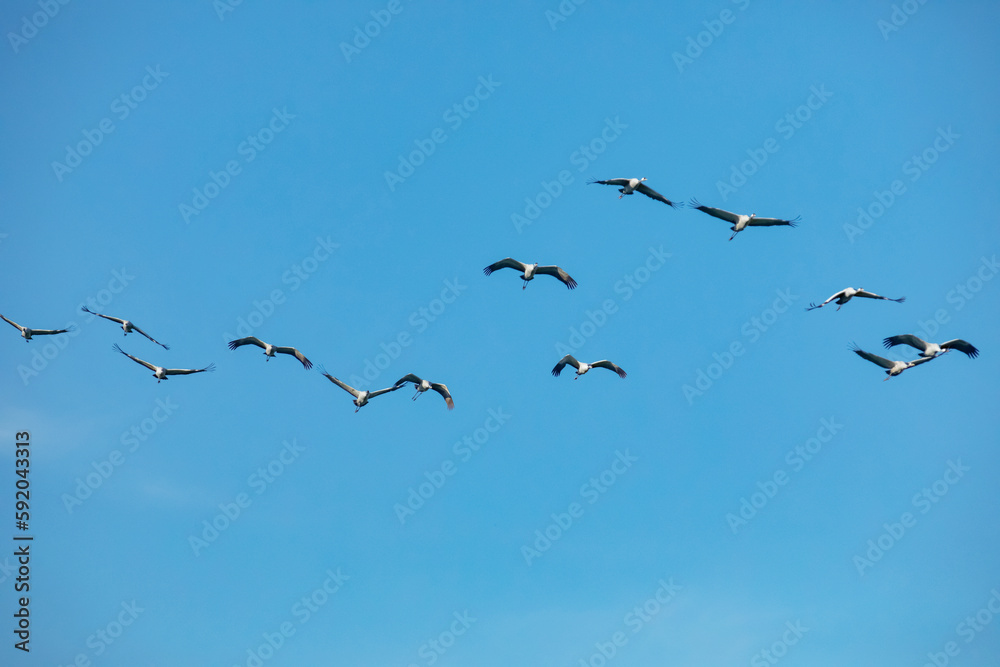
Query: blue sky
751	493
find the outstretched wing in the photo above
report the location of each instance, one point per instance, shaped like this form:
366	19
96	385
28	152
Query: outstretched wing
604	363
409	377
295	353
48	332
770	222
568	359
379	392
138	330
611	181
507	263
813	306
872	295
905	339
188	371
11	322
653	194
729	217
346	387
107	317
249	340
874	358
135	359
443	390
962	346
558	273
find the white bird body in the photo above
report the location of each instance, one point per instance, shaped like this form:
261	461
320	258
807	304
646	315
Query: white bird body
932	350
529	271
582	368
423	385
127	326
361	397
628	186
845	295
27	333
270	350
161	373
893	368
740	221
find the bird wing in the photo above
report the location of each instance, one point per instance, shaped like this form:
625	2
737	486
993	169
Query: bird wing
346	387
107	317
188	371
813	306
507	263
249	340
558	273
138	330
905	339
653	194
443	390
409	377
716	212
872	295
612	181
920	360
568	359
874	358
136	359
770	222
604	363
295	353
379	392
47	332
12	323
962	346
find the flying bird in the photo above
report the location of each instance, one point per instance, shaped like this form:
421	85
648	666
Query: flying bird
845	295
127	326
270	350
361	398
740	222
892	367
423	385
582	368
27	333
932	349
530	271
161	373
630	185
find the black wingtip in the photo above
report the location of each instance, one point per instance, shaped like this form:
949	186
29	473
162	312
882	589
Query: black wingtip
232	345
887	342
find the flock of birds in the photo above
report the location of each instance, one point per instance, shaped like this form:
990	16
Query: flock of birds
627	186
